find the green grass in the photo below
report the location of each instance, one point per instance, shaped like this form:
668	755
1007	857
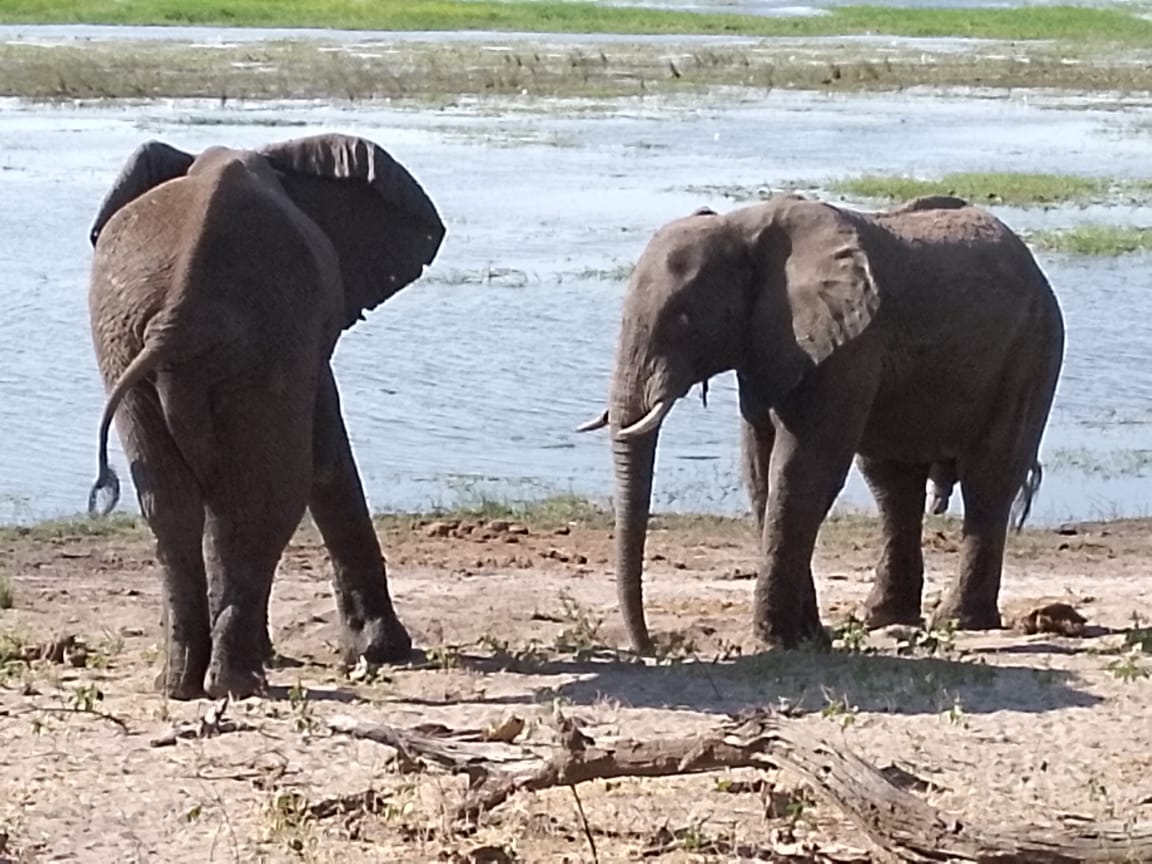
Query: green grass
1044	22
995	187
81	526
6	598
1097	240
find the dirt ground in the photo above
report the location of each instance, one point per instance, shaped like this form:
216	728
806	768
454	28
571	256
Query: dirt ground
520	619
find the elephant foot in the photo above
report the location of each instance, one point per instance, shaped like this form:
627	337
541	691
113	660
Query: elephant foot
966	617
183	674
881	611
238	653
792	634
378	640
233	681
178	687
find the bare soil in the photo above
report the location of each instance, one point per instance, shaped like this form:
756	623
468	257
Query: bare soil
1004	727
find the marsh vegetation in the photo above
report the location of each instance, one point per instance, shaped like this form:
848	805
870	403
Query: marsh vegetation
438	73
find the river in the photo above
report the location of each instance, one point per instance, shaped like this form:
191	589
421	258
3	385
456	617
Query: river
468	384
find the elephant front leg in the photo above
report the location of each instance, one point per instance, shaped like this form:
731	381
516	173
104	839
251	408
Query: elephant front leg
899	492
371	627
804	484
817	429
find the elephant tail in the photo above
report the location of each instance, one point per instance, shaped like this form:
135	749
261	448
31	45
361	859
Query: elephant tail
1022	506
106	479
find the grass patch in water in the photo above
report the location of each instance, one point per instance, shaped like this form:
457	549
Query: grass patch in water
1043	22
1020	189
1096	240
434	72
1102	465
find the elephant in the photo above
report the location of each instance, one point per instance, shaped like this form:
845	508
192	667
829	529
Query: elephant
219	286
923	336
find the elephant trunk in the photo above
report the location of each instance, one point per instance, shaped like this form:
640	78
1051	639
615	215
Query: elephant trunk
634	462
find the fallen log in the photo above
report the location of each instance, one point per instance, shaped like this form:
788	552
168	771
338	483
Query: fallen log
898	822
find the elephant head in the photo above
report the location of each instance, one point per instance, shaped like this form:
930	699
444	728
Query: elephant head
383	226
769	290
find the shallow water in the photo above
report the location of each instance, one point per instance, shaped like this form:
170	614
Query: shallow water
470	382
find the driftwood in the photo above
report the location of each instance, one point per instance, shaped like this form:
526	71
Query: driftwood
900	823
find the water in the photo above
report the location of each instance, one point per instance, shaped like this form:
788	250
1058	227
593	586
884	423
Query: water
470	382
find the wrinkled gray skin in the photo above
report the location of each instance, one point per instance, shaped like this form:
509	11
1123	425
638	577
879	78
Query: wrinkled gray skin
923	335
220	284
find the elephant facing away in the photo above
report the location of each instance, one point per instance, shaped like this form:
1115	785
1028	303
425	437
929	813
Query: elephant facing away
921	338
219	286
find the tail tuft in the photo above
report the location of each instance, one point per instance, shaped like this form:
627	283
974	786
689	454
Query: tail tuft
1022	506
106	482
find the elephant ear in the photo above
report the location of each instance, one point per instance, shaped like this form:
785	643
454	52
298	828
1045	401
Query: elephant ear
384	226
150	164
813	290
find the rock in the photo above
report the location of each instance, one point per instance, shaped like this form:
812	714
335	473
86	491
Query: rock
498	526
562	531
517	528
440	529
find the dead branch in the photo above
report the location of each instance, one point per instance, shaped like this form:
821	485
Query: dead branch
87	712
900	823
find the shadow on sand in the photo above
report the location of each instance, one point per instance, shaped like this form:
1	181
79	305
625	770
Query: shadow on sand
803	680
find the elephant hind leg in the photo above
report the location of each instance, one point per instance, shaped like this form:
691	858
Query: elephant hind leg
170	499
971	601
899	492
370	624
253	505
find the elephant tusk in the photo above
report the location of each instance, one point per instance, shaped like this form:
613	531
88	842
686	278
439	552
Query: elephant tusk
595	423
647	423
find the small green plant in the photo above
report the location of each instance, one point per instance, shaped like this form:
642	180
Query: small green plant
852	636
104	652
1139	639
12	653
929	642
582	636
301	708
1130	667
955	715
693	838
531	654
674	648
839	709
444	657
193	813
6	596
85	697
289	819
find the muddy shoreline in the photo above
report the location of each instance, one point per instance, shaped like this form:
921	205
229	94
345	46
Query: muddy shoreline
516	617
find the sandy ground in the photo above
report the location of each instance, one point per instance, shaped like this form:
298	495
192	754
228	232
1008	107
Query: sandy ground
1006	727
